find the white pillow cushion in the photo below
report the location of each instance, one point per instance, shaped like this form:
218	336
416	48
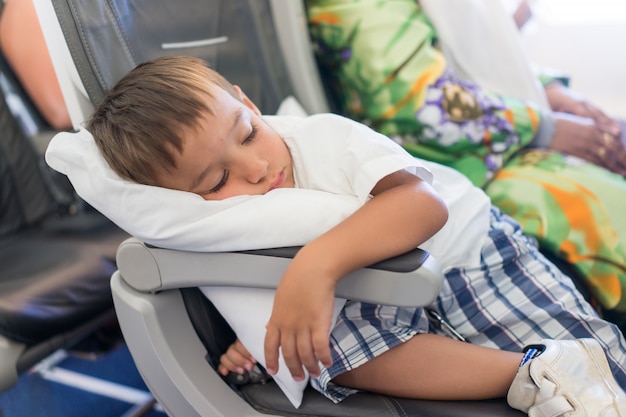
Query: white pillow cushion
185	221
247	310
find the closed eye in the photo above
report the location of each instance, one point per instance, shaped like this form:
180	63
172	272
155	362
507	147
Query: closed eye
220	184
252	134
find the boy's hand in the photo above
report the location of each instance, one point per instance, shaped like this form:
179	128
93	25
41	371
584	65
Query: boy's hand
236	359
301	317
403	213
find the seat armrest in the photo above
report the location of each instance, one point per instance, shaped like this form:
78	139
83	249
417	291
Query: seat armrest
149	269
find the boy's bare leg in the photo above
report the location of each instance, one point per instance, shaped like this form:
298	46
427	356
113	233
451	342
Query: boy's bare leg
434	367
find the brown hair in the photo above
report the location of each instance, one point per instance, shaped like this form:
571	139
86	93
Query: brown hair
140	122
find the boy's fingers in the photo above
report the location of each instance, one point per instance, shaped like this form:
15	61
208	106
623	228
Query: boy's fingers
270	346
241	350
321	344
228	365
234	356
306	352
290	354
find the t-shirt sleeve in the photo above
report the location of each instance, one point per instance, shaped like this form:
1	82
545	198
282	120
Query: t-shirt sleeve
338	155
374	156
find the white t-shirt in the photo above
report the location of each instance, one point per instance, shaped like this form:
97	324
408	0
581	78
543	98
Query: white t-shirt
335	154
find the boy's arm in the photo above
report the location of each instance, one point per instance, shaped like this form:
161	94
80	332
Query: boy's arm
403	213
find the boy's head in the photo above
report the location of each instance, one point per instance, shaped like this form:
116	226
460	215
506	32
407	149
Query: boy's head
176	123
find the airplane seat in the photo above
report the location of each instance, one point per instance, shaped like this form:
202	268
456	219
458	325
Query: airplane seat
56	255
173	332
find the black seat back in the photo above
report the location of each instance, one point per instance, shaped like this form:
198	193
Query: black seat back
236	37
25	198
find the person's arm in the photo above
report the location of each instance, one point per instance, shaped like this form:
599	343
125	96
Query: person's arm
581	137
562	99
23	45
403	213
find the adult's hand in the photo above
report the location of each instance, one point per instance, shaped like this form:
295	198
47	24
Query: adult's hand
564	100
581	137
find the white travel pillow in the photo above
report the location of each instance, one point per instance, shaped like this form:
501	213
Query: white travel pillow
185	221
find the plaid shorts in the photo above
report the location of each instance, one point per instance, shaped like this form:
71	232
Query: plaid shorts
514	298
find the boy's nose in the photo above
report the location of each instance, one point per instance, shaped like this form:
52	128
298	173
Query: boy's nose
256	170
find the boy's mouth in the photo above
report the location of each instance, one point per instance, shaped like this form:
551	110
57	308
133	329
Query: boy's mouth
278	181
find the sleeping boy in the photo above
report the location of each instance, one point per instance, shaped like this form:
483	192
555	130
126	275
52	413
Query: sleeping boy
175	123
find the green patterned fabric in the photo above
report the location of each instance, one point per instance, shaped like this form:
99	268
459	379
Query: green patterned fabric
382	66
379	60
575	210
390	86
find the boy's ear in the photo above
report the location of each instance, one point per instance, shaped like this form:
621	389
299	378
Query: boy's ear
244	98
